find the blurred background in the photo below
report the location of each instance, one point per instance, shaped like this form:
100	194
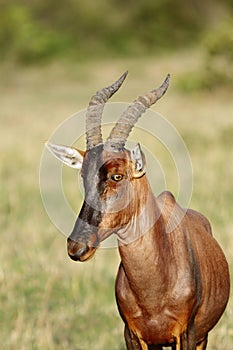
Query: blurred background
53	57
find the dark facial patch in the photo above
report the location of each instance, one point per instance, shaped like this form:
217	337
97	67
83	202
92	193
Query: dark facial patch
90	215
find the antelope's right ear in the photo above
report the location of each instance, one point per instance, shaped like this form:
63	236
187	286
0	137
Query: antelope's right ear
67	155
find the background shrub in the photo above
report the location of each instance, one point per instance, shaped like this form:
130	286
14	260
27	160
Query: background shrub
34	31
217	65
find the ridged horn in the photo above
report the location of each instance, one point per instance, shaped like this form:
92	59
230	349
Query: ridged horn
95	111
119	134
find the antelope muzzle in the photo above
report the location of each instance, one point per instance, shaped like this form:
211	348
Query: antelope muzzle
80	251
83	241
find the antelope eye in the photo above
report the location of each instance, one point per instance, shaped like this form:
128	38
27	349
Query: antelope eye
116	177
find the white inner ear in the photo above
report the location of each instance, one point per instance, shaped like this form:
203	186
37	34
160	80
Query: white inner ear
137	157
67	155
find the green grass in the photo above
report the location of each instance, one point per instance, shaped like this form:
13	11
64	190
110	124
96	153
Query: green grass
46	300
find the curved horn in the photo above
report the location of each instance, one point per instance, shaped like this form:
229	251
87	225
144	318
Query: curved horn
95	111
119	134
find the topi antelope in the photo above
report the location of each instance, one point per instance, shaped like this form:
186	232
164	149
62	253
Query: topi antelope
171	288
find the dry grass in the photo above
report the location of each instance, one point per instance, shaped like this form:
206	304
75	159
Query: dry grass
48	302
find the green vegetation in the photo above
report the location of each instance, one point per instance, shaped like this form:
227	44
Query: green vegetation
216	68
36	31
48	302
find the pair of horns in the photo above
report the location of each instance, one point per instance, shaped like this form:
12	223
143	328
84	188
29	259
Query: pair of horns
119	134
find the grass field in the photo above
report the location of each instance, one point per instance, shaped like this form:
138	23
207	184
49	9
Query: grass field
46	300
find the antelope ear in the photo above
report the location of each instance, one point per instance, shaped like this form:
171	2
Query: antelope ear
67	155
139	161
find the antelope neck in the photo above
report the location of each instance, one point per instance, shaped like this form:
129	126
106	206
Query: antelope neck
143	262
144	213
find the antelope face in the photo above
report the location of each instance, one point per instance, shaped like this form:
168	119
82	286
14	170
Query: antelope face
106	181
108	171
107	178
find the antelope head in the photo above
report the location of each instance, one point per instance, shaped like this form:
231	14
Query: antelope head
112	175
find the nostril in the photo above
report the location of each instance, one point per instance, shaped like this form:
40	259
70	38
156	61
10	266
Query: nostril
81	251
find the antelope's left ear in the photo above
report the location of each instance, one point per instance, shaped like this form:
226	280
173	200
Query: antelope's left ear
67	155
139	161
